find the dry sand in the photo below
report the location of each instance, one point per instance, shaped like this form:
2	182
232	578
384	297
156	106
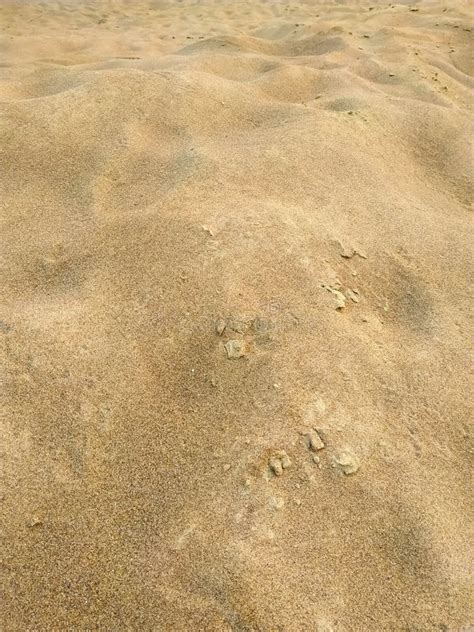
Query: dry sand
225	225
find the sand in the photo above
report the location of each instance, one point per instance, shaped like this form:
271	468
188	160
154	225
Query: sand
236	263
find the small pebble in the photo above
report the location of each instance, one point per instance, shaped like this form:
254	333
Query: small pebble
314	441
279	462
340	298
276	466
209	230
347	252
347	462
285	461
220	326
277	503
235	349
352	295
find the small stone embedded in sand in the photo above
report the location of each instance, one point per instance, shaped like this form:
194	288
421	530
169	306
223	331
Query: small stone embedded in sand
279	461
276	503
347	252
307	475
353	295
276	466
235	349
220	326
315	442
347	462
340	298
208	230
285	460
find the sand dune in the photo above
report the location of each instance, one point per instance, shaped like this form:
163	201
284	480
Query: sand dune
236	267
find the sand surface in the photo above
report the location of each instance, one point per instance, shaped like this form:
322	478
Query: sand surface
236	254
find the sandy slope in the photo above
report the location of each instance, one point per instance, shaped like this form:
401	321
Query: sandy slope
291	180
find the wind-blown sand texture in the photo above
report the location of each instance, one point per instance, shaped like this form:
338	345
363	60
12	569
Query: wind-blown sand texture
236	258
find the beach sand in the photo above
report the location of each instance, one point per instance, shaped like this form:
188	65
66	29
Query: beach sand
236	265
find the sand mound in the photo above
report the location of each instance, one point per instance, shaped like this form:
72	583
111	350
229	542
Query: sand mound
236	257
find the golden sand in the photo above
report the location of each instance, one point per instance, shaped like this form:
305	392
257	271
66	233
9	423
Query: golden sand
236	257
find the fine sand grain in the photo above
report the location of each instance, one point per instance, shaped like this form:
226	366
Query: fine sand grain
236	254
